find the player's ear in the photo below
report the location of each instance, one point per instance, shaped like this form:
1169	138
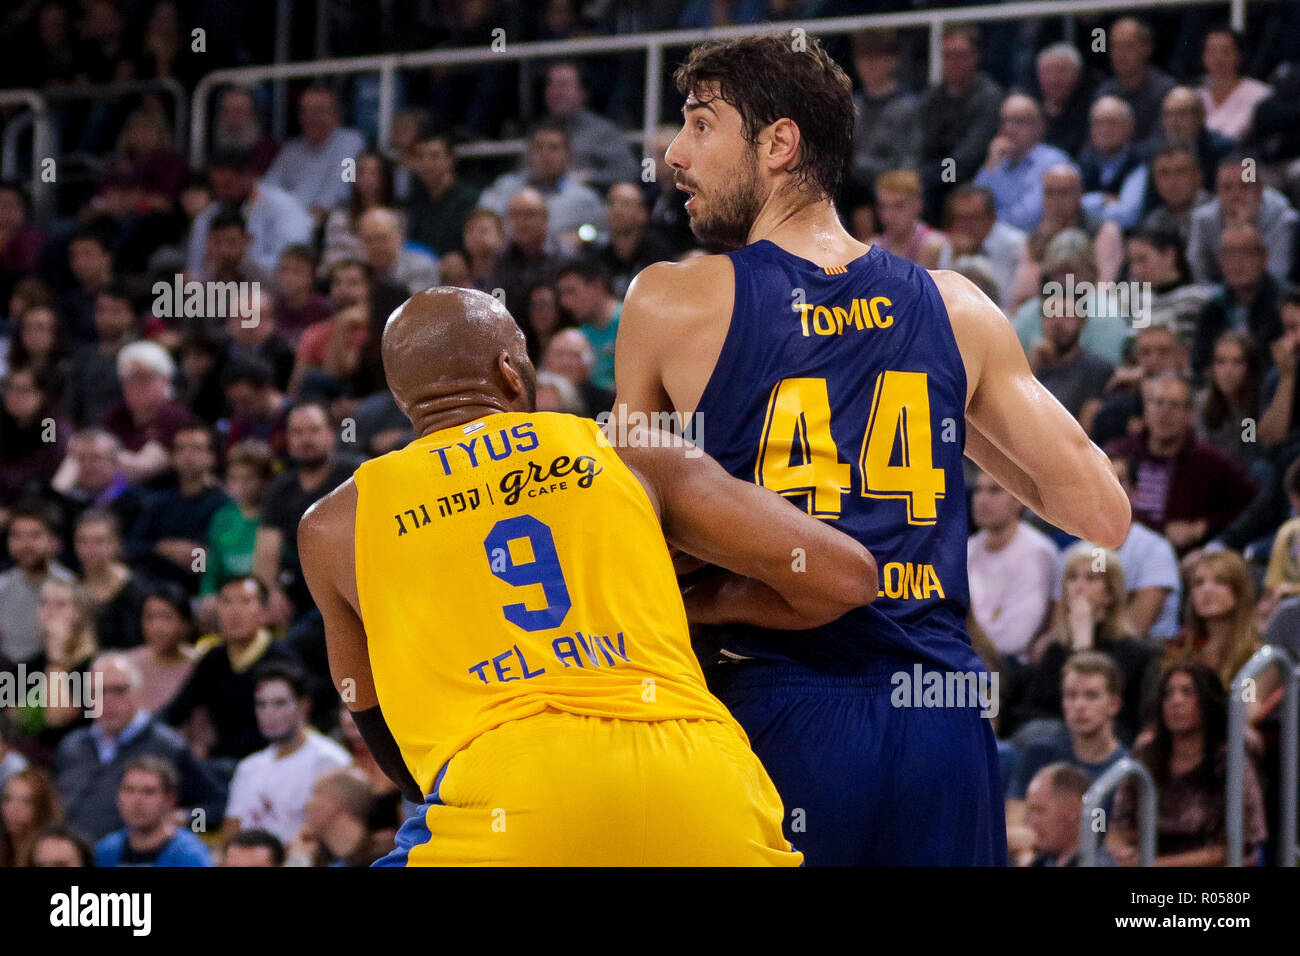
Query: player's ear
781	144
511	376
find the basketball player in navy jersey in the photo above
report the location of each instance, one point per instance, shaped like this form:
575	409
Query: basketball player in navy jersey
850	381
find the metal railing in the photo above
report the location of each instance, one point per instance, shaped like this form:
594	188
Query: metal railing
1268	656
1096	795
42	144
652	45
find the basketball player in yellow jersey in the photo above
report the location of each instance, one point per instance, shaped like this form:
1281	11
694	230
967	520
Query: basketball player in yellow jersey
503	618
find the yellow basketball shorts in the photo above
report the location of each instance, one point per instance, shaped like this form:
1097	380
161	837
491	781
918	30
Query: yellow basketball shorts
559	789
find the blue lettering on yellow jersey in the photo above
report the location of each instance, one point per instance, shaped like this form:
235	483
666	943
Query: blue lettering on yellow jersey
842	389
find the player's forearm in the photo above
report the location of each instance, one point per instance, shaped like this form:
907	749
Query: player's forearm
732	599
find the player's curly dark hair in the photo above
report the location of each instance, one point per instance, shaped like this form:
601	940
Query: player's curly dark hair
778	75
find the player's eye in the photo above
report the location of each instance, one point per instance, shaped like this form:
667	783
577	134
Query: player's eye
701	125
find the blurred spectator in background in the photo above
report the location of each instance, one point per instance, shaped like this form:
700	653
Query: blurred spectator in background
1053	812
274	218
258	410
58	846
569	354
1188	759
239	128
1114	168
334	830
1155	256
147	416
887	127
668	212
1220	631
970	220
1182	123
297	302
1074	375
39	344
112	586
1230	98
232	533
632	245
543	319
227	256
1176	176
555	393
32	440
1017	158
959	117
1063	212
20	242
90	476
1248	298
601	157
1010	565
1157	349
167	657
317	470
440	203
531	255
67	647
271	787
1092	693
586	293
1184	487
93	273
373	189
899	203
168	542
1091	615
389	258
252	848
311	167
1228	406
1150	570
1278	394
260	341
1064	94
92	761
28	802
570	205
483	240
1240	200
1136	81
222	682
146	799
33	537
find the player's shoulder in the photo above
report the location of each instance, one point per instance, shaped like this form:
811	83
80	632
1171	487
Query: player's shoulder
333	514
684	284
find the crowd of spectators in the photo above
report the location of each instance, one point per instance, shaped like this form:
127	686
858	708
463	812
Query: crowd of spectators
157	450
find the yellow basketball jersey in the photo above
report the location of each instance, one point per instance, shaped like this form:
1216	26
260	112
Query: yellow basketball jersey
512	564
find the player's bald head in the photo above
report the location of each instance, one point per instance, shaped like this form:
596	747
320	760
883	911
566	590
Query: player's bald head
448	348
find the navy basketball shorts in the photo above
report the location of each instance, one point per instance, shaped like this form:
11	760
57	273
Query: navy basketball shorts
870	775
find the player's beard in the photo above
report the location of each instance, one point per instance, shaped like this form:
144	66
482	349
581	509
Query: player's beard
725	219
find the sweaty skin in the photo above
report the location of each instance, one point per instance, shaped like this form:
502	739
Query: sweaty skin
454	355
1016	430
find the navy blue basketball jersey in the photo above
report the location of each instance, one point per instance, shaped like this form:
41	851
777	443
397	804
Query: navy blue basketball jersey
842	389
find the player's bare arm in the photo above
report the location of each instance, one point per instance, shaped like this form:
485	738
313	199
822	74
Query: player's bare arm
327	548
671	330
791	571
1020	434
